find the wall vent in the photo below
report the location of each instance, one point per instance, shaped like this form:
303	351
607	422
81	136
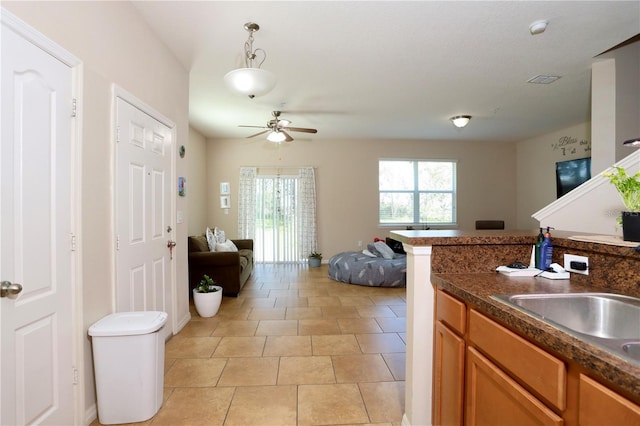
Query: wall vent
543	79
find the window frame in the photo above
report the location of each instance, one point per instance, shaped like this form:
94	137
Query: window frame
416	194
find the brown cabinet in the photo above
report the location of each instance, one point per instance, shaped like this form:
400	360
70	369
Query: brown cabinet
485	374
600	406
448	360
543	374
493	398
448	377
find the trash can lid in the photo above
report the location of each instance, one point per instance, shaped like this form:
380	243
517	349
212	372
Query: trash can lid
129	323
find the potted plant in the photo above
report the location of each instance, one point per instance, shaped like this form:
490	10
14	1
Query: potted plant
315	259
207	297
629	189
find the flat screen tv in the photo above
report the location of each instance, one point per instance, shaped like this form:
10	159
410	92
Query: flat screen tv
572	173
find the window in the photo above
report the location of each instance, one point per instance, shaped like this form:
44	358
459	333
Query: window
417	192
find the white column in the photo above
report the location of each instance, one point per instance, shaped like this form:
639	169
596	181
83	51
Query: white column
419	361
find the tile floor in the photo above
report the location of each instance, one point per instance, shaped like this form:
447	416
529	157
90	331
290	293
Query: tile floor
295	348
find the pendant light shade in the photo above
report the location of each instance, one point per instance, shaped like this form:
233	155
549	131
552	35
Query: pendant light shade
251	82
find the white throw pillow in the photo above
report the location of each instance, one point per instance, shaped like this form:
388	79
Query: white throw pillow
226	246
384	249
368	253
220	235
211	240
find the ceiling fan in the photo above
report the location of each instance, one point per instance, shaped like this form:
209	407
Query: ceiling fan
278	129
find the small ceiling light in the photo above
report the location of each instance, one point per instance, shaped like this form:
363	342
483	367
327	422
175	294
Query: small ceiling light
251	81
460	120
276	136
538	27
635	142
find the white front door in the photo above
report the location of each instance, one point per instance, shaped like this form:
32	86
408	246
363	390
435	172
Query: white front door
36	231
144	155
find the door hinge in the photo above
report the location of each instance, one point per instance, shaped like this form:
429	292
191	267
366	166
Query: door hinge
74	107
73	242
117	134
75	375
117	242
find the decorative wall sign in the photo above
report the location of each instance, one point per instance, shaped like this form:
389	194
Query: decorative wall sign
568	145
224	188
182	189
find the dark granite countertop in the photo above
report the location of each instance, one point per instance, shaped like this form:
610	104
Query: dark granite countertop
476	288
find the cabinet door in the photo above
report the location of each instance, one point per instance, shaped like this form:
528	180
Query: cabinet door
494	399
448	385
599	406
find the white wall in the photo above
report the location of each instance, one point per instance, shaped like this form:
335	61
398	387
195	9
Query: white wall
197	185
347	181
101	34
615	115
627	123
536	173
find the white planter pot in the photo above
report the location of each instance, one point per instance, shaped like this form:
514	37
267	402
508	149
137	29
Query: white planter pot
207	304
315	262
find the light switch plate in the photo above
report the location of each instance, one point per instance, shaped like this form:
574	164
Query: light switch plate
568	258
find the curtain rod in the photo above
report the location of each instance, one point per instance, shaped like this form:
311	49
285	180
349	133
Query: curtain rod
281	167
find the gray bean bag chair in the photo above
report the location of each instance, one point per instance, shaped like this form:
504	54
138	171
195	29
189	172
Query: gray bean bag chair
355	267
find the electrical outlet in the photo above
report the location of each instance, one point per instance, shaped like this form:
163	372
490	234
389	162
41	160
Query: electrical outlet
360	244
580	264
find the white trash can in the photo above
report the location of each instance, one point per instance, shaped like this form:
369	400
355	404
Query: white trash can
128	360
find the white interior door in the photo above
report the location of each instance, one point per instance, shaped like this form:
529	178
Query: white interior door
144	156
36	205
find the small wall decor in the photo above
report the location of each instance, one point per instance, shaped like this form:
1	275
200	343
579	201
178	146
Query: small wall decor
224	188
569	145
225	202
182	189
182	151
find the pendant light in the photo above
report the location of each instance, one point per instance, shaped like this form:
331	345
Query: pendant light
251	81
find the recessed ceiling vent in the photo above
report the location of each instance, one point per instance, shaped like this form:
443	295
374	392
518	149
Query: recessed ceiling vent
543	79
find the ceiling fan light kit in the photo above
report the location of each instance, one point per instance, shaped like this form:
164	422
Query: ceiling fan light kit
460	120
278	129
251	81
276	137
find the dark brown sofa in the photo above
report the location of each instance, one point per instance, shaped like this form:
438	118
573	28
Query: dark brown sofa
230	269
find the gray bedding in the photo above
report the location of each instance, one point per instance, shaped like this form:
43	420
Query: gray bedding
354	267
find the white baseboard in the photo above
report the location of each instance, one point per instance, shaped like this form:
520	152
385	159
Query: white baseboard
90	414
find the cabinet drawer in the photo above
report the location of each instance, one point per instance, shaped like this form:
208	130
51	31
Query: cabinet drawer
494	398
542	372
599	406
451	311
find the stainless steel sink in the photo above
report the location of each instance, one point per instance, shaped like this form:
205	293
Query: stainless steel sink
611	321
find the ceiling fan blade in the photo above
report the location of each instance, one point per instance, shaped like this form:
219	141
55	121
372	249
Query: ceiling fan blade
255	127
259	133
301	129
289	138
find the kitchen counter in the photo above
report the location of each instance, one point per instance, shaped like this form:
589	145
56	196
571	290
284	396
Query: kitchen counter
475	289
463	262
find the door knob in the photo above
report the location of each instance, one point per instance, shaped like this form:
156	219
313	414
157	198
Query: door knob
8	288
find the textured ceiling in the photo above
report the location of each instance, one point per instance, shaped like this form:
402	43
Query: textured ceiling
395	69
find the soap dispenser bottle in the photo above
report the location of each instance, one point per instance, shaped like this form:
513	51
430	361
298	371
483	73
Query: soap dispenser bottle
539	241
546	251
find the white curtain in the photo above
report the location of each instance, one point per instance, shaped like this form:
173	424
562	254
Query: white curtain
247	203
306	213
295	203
